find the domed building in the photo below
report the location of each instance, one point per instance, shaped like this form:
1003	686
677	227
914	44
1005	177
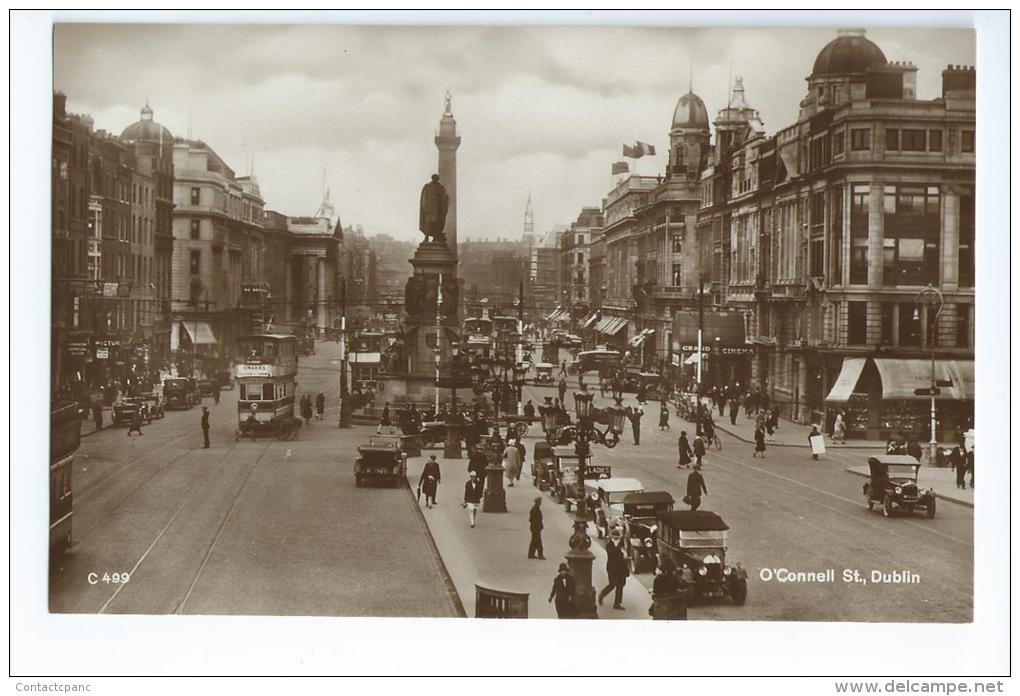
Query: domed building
688	137
147	130
852	67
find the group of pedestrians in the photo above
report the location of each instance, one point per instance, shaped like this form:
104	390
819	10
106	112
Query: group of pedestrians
307	414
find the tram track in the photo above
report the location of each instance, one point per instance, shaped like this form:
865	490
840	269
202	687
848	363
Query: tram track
188	498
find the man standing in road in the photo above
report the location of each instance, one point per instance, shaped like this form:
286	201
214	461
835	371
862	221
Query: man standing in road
529	411
97	415
734	410
699	450
535	521
562	387
617	570
205	427
320	405
635	423
473	496
695	487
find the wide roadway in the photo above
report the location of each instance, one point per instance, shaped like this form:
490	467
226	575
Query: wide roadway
789	512
265	527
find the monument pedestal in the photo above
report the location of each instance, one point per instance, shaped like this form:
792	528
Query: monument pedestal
431	326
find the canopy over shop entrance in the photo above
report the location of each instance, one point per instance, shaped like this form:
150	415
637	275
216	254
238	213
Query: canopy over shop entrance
901	377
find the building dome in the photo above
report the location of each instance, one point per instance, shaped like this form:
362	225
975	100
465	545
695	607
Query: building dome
850	52
146	129
690	112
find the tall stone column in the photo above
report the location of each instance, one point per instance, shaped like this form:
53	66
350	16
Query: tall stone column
949	239
876	235
321	320
447	142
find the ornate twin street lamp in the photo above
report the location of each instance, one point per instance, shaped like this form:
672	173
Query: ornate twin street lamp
582	434
932	298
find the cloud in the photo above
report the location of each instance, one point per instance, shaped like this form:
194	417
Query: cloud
540	109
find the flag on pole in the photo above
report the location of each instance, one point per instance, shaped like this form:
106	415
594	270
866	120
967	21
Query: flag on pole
638	150
620	167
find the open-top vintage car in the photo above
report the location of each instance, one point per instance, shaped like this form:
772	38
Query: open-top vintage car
893	485
695	541
125	409
380	461
606	501
563	474
641	513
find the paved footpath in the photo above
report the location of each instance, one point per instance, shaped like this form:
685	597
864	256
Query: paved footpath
495	552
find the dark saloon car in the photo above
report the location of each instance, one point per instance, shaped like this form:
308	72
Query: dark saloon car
380	462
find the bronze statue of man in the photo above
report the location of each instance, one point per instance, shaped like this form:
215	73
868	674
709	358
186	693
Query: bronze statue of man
432	212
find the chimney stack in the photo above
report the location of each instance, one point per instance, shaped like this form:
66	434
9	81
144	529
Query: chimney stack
959	81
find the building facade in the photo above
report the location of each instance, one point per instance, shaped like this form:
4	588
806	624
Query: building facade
825	235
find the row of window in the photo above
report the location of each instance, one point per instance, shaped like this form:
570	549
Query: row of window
902	140
907	324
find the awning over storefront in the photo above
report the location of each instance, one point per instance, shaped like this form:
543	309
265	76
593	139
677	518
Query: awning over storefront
589	320
558	314
611	326
847	380
199	332
901	377
639	339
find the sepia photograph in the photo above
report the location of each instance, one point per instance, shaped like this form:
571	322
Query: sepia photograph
439	320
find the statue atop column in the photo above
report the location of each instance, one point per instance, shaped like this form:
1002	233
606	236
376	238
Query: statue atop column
432	211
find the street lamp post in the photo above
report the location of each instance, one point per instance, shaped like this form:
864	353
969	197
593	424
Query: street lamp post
932	298
453	421
579	558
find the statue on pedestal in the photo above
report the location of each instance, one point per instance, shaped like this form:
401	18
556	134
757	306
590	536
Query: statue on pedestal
432	211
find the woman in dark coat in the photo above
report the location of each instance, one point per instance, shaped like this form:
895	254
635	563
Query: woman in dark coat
684	448
699	450
429	481
759	442
563	593
306	408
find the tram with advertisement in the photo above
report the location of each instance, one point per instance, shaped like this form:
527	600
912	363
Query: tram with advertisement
65	438
267	379
478	339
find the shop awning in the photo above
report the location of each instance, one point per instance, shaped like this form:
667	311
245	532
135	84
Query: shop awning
847	380
901	377
589	320
636	341
199	332
611	325
559	314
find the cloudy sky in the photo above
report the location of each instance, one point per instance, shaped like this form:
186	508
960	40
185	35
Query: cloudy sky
539	109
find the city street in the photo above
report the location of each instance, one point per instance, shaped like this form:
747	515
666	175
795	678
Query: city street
262	528
788	511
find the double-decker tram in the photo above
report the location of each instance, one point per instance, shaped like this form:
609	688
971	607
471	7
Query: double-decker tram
478	337
267	378
65	438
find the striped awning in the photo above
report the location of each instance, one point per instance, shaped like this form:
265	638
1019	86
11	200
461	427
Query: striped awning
559	314
611	325
589	320
637	340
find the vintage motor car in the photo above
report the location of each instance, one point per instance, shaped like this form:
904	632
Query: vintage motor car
544	373
155	404
695	541
125	410
563	474
408	444
640	512
893	485
541	459
207	387
606	502
380	461
180	392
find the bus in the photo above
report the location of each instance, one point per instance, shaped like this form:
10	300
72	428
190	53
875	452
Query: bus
602	361
65	438
267	378
478	342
